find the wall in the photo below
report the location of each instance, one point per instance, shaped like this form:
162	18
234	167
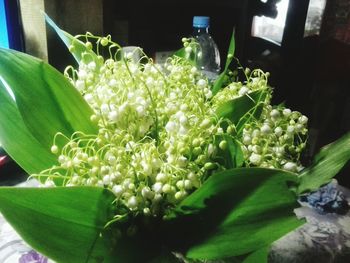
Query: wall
75	17
34	28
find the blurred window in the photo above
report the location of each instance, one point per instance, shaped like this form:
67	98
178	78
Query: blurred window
271	28
314	17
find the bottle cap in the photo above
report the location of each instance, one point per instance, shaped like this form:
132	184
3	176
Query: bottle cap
201	21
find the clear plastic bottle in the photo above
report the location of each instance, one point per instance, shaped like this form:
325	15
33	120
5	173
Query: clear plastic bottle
208	56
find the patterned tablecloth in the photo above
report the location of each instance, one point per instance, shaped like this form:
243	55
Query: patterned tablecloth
324	238
12	248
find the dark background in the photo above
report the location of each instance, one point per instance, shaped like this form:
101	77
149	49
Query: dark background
309	74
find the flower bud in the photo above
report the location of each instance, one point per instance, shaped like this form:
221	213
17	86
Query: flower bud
132	202
255	158
247	139
196	142
290	129
223	145
166	188
180	194
188	49
206	123
287	112
210	166
54	149
88	45
146	211
290	166
274	113
104	41
157	187
278	131
303	119
187	184
265	129
117	189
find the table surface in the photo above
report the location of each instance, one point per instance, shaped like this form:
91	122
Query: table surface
323	238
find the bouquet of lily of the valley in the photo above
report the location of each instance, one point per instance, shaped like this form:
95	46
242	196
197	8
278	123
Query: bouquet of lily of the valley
141	162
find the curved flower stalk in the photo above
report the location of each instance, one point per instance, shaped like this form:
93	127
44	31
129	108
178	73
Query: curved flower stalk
151	156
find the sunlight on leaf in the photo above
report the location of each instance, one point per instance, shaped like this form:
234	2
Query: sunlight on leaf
46	100
72	219
17	139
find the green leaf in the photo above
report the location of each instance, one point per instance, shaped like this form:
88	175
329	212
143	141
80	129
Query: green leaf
180	53
64	223
327	163
218	84
257	256
80	52
78	224
190	58
46	100
235	212
231	51
242	109
18	141
260	255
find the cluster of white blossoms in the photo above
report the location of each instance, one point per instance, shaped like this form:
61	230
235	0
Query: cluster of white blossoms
277	140
157	125
257	80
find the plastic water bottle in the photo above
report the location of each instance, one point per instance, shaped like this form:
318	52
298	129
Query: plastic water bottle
208	56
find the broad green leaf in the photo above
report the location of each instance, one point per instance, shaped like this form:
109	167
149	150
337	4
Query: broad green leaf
18	141
258	256
218	84
77	224
46	100
327	163
64	223
242	109
235	212
80	52
232	156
